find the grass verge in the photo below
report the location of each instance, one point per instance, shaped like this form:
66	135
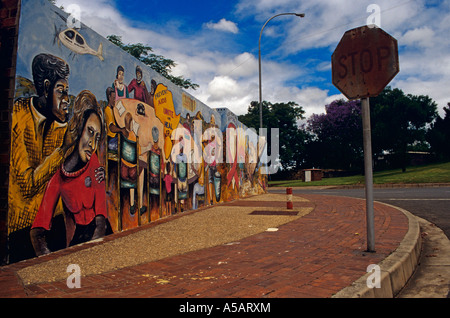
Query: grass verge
434	173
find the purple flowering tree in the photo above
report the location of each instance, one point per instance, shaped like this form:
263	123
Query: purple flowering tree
336	136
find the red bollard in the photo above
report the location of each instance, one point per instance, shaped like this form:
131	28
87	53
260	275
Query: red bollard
290	205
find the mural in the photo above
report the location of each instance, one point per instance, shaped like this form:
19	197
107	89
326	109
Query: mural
101	143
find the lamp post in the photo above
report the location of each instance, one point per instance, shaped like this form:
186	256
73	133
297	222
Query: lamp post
301	15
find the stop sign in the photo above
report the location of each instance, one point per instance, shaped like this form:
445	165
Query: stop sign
364	62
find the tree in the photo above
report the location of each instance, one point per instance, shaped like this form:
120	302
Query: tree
283	116
159	63
398	121
439	135
54	3
335	138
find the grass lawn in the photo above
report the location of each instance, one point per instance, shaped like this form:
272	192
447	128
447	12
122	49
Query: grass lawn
435	173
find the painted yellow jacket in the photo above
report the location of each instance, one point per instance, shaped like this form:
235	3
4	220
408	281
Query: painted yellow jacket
34	160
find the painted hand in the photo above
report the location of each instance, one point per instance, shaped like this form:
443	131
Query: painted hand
100	174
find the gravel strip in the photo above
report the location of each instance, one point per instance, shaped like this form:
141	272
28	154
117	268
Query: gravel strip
202	229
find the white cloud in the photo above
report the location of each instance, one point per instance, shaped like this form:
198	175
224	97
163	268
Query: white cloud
421	37
225	80
312	99
231	79
420	28
244	64
431	88
221	87
224	91
223	25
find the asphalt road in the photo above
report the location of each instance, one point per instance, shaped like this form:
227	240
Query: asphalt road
429	203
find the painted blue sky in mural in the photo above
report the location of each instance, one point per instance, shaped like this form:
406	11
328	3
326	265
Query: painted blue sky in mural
215	43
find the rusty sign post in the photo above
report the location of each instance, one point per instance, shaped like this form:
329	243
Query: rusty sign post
363	63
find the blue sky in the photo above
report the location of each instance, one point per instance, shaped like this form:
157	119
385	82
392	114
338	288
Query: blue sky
215	44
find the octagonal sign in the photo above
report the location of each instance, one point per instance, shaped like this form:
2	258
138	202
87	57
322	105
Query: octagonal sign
364	62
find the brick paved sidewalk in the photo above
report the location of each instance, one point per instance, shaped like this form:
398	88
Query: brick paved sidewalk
316	255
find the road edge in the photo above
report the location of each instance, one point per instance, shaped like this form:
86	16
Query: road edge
395	270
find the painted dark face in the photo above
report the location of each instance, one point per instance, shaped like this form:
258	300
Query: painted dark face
89	138
112	99
60	100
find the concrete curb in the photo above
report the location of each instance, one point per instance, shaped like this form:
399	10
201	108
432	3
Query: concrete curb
395	185
362	186
396	269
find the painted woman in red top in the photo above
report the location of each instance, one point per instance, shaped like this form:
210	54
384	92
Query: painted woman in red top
77	182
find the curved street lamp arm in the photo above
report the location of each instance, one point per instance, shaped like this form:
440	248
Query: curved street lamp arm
301	15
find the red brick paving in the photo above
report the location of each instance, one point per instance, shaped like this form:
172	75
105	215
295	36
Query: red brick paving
314	256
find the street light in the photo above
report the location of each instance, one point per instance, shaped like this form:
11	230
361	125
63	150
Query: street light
301	15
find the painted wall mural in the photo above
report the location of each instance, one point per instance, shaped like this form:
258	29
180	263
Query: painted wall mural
101	143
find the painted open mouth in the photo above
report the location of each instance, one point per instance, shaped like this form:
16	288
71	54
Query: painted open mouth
88	154
65	107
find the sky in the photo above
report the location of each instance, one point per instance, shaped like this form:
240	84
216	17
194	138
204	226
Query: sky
215	44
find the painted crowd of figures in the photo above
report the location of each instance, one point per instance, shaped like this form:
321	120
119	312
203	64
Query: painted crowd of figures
105	166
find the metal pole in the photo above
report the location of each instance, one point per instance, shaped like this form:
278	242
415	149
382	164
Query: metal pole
367	141
260	89
301	15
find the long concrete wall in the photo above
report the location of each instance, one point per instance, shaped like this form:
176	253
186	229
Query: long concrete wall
96	133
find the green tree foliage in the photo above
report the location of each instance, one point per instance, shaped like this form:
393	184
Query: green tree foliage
439	136
159	63
398	121
54	3
283	116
